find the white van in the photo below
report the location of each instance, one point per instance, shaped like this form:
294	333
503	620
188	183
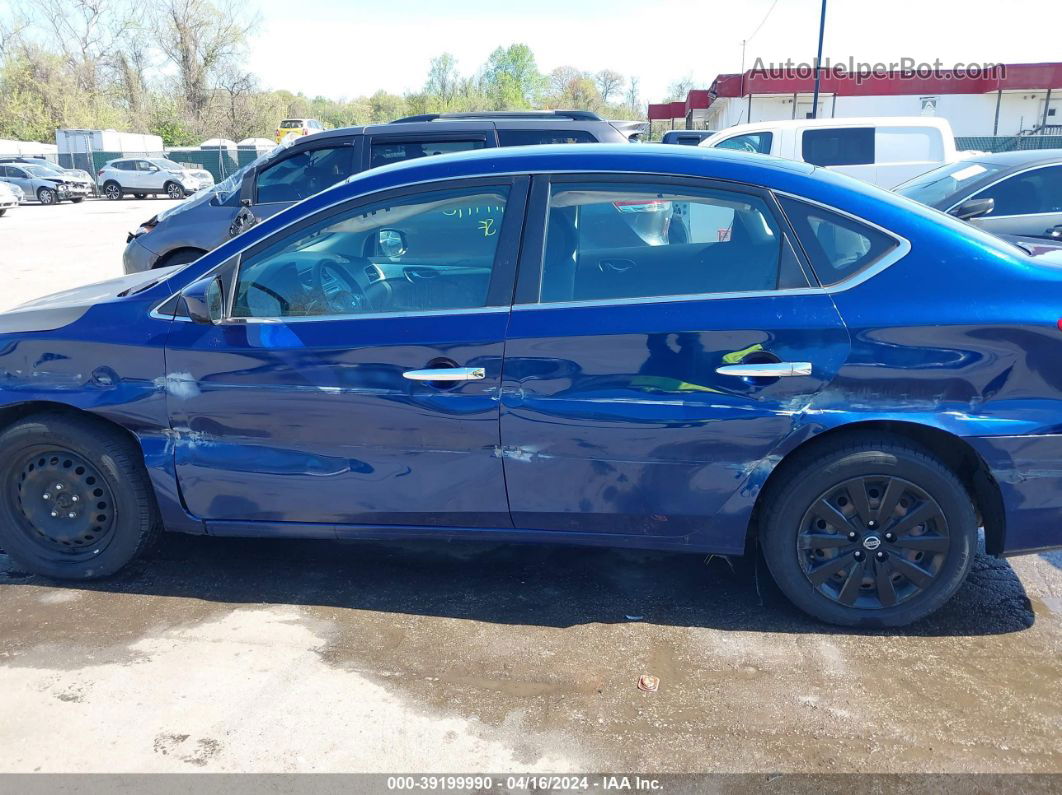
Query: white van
883	150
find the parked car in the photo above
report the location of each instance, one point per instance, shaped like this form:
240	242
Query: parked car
81	183
43	184
297	127
1015	193
686	137
473	346
301	167
142	176
884	150
10	196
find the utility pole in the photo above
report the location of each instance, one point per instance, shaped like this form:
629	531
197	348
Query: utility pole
818	60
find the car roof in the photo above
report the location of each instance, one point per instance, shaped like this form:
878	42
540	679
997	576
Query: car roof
854	121
462	123
1025	157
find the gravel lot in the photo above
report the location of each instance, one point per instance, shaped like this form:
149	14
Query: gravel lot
236	655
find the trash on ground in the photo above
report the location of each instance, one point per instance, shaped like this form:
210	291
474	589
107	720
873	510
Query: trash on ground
649	683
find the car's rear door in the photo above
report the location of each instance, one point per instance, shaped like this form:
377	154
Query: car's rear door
633	400
356	379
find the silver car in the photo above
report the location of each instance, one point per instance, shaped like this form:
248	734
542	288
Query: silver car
37	182
155	175
10	196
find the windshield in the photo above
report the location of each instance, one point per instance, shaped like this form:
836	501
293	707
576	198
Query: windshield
40	171
937	185
166	165
290	124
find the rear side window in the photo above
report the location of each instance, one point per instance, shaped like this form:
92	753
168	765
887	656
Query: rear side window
641	240
841	146
291	124
838	246
759	143
532	137
382	153
304	174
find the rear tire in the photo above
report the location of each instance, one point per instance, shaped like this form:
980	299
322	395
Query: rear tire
78	199
2	212
868	531
140	195
47	196
112	190
75	499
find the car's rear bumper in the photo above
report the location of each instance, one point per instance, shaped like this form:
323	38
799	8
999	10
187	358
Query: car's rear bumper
1028	470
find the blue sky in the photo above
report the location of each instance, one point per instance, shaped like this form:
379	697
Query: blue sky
350	47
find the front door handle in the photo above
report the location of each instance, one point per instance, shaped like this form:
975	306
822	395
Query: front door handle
766	369
447	374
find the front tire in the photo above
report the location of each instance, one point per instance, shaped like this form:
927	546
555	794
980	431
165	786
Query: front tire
47	196
175	191
75	500
868	531
112	191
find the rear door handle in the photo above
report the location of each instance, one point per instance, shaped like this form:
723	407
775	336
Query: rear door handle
766	369
447	374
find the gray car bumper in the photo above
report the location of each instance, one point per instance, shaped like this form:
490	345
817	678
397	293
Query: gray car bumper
137	257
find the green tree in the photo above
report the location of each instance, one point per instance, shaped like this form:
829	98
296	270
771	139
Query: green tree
511	78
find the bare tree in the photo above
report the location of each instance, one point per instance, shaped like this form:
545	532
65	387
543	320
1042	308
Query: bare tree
608	82
202	38
632	99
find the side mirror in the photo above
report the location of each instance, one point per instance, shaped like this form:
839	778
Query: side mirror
974	208
391	242
1055	232
205	300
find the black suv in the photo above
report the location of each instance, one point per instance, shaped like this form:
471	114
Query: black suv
301	167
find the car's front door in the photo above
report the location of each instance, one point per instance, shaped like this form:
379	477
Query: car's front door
299	174
356	378
663	353
1027	203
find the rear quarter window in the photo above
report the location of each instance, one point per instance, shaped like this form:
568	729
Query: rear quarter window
839	146
839	247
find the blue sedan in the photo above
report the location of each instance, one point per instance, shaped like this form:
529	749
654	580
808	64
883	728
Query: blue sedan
653	347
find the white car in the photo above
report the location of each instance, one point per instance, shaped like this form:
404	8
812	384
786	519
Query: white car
143	175
10	196
883	150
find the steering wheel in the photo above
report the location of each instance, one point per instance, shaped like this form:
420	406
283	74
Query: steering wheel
336	288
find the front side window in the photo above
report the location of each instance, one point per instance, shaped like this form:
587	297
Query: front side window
757	143
382	153
838	146
838	246
426	252
617	241
534	137
304	174
1035	191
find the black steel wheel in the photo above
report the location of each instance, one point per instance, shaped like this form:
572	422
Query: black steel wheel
868	531
75	499
64	504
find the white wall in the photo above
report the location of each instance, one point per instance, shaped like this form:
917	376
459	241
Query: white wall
968	114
